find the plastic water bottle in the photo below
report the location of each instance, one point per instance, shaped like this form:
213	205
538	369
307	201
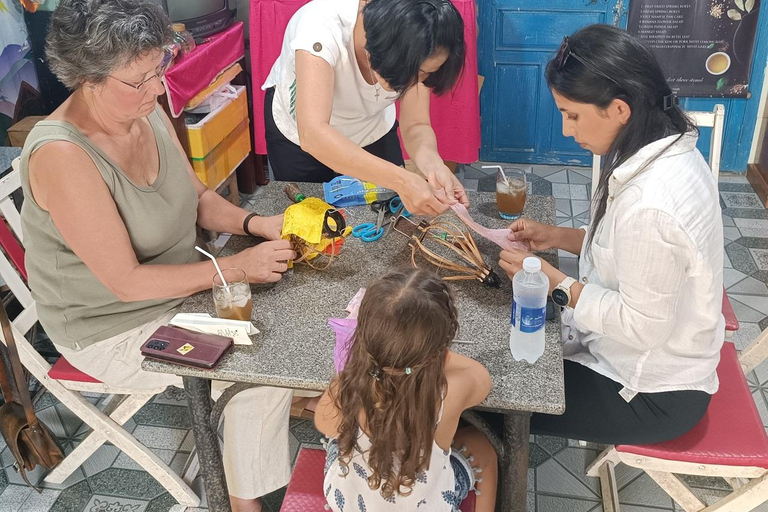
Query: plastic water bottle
529	311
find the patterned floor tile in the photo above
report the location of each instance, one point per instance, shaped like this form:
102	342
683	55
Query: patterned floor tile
159	437
125	483
731	234
563	208
643	491
578	207
579	192
745	313
726	261
13	497
759	303
101	460
570	266
741	258
123	461
761	258
578	178
752	227
545	170
73	498
560	176
162	415
553	478
746	333
566	223
561	190
99	503
470	184
575	461
549	503
742	200
40	502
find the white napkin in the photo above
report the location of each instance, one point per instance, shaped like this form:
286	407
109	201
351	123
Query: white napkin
203	322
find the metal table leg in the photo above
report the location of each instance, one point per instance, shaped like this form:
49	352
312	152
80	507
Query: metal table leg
514	469
198	393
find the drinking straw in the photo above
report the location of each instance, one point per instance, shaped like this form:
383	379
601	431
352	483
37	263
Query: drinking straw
501	172
215	264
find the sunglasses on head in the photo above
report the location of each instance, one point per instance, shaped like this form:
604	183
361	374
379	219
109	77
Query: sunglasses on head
564	53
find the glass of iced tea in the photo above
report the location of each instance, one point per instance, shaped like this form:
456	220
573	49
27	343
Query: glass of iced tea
511	189
234	300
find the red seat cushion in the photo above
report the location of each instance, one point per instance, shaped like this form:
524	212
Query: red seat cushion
305	490
731	323
62	370
731	431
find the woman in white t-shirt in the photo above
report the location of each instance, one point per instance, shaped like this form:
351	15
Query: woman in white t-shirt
330	102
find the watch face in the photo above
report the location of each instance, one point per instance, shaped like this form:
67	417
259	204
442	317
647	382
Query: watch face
560	298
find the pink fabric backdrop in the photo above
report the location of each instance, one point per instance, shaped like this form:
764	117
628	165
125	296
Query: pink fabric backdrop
455	115
197	69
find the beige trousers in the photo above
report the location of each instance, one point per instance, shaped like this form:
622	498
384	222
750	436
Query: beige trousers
256	453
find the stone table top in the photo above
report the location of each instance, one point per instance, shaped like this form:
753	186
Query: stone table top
295	346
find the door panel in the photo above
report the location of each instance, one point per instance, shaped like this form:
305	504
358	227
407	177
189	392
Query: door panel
520	122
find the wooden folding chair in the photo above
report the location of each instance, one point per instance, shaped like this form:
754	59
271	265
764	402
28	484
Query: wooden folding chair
66	382
730	442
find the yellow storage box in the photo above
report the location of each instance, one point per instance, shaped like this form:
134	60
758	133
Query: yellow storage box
208	133
219	163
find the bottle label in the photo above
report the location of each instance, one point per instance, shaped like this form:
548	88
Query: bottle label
528	319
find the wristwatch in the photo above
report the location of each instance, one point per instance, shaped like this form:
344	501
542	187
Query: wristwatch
561	295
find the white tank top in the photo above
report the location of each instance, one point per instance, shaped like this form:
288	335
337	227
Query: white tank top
432	491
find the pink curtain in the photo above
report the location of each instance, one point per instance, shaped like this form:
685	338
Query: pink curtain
455	115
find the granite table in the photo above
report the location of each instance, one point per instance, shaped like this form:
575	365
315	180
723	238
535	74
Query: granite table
294	348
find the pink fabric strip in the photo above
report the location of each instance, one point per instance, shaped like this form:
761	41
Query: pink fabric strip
197	69
498	236
455	115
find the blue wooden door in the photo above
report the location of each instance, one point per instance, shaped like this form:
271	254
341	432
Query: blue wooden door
520	122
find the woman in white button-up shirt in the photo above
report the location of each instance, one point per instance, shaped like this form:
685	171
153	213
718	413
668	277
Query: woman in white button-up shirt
643	330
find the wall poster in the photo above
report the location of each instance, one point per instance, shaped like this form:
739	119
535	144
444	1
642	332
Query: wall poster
705	47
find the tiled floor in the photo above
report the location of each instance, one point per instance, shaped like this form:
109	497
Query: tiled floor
110	482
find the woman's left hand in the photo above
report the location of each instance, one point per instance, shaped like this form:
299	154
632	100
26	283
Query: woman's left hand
268	227
512	262
442	179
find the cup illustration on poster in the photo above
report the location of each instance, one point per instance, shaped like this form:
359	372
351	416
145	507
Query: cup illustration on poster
705	46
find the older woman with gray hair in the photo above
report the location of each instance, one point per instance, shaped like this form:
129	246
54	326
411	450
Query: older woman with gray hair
109	224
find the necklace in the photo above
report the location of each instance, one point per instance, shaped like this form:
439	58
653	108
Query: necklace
376	85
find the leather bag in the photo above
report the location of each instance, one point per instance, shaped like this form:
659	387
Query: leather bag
29	440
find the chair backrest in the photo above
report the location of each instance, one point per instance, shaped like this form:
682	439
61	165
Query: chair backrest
12	269
714	120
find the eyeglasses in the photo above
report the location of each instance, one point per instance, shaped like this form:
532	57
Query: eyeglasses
164	66
565	52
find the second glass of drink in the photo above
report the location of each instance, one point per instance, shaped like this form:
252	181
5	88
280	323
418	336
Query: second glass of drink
511	190
234	300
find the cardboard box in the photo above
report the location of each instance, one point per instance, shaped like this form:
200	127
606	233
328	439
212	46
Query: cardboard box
17	134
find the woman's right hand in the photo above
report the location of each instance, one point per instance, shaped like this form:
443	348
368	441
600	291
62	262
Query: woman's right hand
419	197
266	262
540	236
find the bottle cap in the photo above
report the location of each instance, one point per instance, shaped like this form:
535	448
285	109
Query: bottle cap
531	264
179	27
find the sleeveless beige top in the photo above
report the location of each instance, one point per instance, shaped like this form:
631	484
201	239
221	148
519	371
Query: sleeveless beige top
74	307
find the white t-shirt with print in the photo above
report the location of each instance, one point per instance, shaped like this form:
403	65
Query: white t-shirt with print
325	29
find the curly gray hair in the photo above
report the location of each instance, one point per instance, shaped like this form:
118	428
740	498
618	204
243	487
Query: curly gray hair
89	39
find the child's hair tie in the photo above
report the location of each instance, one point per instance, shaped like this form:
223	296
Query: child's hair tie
408	370
375	373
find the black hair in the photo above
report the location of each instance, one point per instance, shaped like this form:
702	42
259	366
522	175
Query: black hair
402	34
636	78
